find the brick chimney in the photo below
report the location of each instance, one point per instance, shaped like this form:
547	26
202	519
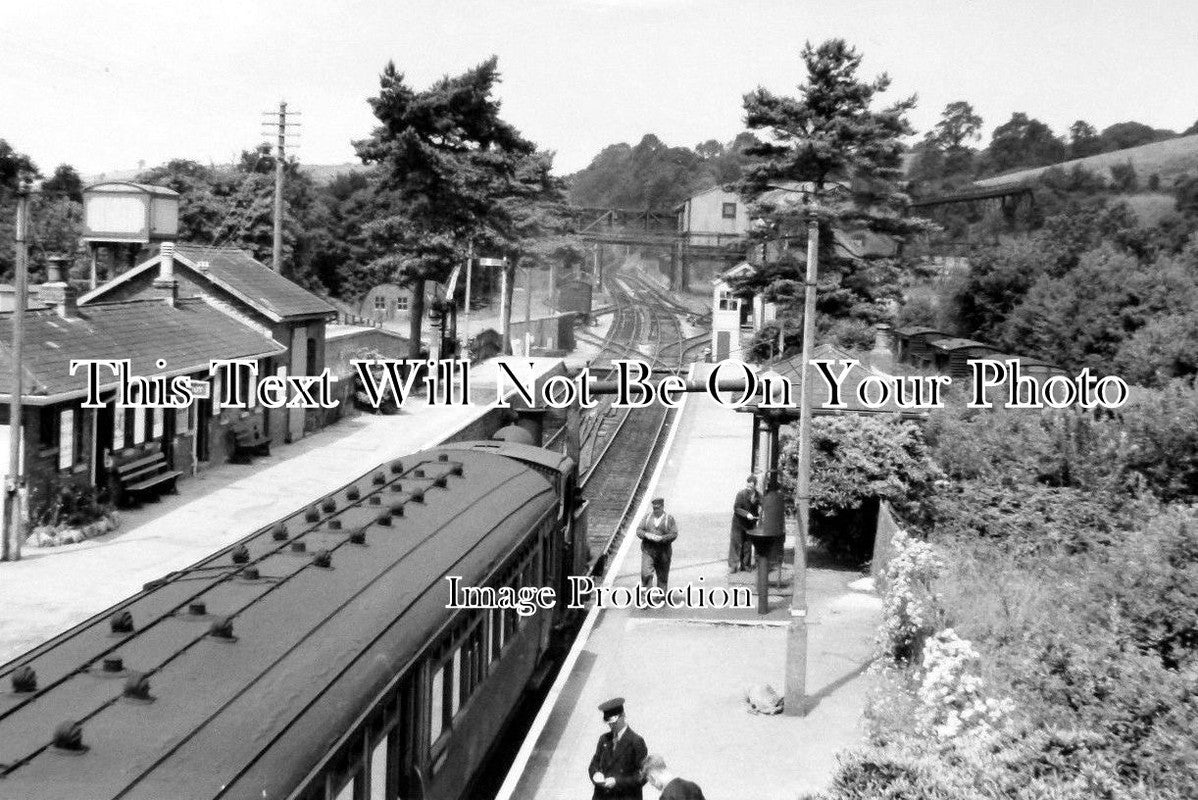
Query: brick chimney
882	356
165	285
56	291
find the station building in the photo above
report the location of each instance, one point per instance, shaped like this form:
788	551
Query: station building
181	306
65	444
244	290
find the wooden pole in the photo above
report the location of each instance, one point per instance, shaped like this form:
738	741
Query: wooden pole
12	487
276	261
796	703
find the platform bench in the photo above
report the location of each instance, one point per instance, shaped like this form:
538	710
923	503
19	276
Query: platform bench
145	477
249	441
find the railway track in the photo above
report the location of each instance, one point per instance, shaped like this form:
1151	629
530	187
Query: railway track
620	446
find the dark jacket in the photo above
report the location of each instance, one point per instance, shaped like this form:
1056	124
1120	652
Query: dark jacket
745	510
679	789
622	763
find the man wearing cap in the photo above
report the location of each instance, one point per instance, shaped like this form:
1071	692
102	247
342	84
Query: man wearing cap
746	509
664	781
657	533
615	770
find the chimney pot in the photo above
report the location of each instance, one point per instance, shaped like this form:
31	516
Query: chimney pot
165	283
56	291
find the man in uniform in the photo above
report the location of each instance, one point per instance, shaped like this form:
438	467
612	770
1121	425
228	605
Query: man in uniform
663	780
616	768
746	510
657	533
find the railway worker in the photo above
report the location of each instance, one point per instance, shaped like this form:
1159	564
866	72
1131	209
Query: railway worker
746	510
657	533
664	781
616	768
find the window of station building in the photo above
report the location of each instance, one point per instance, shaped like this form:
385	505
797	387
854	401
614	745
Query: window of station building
729	211
402	303
727	300
66	438
157	422
138	424
118	427
380	303
48	428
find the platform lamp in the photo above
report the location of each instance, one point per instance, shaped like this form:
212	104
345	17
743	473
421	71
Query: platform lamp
797	703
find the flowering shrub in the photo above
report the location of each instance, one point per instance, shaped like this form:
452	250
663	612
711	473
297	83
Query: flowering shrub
950	690
910	607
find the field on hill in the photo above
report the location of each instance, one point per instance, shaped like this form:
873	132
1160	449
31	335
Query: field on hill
1168	159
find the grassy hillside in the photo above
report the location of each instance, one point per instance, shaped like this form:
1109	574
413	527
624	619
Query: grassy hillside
1168	159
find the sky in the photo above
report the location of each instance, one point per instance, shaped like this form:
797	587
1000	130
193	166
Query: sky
106	85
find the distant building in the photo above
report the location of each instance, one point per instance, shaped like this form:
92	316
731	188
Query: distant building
735	314
712	217
712	226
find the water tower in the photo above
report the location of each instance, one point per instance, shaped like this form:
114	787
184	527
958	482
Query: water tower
122	219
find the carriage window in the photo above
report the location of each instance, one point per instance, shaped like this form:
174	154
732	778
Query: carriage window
378	771
455	701
436	716
347	792
497	628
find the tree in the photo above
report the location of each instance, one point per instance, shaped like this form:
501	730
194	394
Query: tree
958	125
1122	135
1165	348
1082	318
447	161
1083	140
65	181
834	147
12	165
1023	142
1124	178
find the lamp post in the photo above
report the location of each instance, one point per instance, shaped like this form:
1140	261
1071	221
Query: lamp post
12	484
796	700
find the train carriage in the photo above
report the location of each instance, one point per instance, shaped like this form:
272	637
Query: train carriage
316	658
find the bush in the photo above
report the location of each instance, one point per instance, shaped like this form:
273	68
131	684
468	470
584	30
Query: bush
73	506
856	461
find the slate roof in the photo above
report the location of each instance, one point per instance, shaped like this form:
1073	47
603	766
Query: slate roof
819	392
954	343
917	330
236	272
187	336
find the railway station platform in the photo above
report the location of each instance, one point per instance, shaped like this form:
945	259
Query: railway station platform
683	673
51	590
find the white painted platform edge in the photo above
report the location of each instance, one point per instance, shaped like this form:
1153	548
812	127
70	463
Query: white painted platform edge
520	764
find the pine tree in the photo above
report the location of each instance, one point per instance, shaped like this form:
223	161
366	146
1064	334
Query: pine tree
829	152
452	172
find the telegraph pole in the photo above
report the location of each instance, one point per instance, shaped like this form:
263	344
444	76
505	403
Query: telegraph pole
276	262
796	702
12	486
527	311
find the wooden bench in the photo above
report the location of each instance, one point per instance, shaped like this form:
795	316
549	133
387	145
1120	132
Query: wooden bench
148	476
249	440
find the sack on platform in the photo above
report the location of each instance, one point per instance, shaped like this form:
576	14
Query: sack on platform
762	699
